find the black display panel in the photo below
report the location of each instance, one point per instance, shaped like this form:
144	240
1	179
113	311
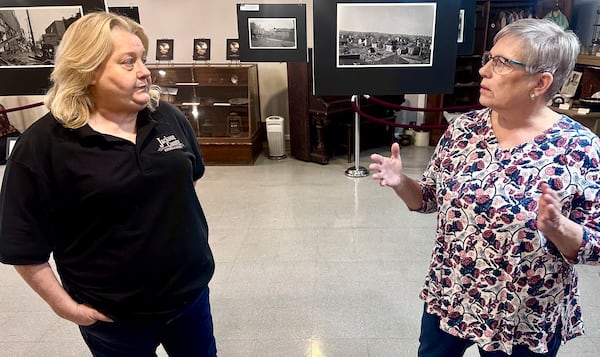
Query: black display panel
272	32
384	47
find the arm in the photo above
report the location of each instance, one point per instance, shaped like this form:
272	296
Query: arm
565	234
389	173
43	281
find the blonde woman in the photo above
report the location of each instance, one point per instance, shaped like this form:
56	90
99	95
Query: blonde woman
105	183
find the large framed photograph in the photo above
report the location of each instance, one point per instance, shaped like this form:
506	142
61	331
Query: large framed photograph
164	49
466	28
201	49
364	40
272	32
30	31
384	47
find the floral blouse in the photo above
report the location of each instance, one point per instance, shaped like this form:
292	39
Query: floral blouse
493	278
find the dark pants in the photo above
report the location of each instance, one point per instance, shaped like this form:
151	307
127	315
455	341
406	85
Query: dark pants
188	334
437	343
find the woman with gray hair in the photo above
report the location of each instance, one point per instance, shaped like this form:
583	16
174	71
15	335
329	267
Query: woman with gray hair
516	189
105	183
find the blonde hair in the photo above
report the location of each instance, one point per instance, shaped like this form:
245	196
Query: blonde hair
86	44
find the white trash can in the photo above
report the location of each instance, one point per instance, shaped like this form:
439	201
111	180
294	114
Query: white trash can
275	137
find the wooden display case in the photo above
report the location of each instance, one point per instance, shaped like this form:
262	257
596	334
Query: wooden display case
222	104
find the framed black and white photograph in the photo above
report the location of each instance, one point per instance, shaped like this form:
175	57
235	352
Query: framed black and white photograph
233	49
466	28
385	34
384	47
201	49
131	12
30	32
164	49
272	32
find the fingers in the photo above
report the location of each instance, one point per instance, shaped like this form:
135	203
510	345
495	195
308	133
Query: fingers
395	150
100	316
376	158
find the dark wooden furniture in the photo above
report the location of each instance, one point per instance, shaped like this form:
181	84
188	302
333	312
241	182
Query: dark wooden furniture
222	104
319	125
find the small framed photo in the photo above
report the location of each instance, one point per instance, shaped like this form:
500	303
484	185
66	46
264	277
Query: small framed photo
164	50
10	145
272	32
201	49
569	88
233	49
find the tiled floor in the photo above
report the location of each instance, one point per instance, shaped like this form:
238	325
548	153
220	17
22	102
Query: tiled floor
309	262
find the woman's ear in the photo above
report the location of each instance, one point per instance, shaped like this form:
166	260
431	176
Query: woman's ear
544	81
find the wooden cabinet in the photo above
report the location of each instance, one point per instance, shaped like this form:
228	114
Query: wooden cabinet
222	104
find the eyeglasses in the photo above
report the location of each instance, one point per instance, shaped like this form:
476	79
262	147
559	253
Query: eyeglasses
500	65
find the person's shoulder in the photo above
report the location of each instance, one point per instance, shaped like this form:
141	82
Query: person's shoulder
578	135
167	108
168	112
568	124
41	128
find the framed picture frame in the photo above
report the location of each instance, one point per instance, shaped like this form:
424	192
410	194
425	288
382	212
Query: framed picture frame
232	48
10	145
272	32
466	28
164	49
48	18
569	88
384	47
131	12
201	51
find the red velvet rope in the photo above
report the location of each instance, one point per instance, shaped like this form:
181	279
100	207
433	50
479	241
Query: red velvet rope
356	108
460	108
397	125
16	109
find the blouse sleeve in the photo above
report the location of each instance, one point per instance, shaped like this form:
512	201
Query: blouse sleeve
585	203
429	180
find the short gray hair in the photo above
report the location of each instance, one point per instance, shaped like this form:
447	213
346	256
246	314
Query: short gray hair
546	48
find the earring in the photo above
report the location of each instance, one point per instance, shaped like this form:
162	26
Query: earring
532	96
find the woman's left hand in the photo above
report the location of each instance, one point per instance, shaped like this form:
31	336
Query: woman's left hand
549	215
566	235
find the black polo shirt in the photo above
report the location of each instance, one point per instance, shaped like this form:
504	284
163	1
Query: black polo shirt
122	220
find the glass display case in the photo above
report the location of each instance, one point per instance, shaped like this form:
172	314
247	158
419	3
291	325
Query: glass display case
222	104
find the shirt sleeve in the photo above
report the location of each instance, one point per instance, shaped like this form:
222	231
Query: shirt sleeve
23	239
585	203
431	175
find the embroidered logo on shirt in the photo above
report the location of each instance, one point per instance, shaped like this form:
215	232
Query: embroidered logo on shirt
168	143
